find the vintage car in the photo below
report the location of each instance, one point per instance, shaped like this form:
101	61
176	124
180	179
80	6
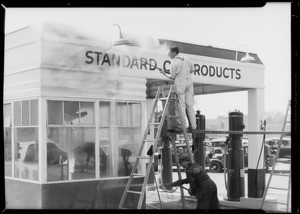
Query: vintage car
285	149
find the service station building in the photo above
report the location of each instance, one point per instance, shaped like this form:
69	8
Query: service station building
74	113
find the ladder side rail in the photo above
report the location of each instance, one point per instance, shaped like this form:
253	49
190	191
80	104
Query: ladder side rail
156	187
281	137
129	182
283	127
154	149
162	120
270	177
290	174
276	158
144	184
184	130
179	172
140	150
147	130
151	116
289	190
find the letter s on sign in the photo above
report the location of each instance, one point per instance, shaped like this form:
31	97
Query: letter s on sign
89	57
238	74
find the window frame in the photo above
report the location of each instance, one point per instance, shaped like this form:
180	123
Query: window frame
42	126
68	99
11	137
38	126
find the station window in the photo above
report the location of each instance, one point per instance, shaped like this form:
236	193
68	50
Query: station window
26	139
120	137
7	139
70	140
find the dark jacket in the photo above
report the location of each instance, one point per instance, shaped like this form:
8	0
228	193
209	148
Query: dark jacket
201	186
196	177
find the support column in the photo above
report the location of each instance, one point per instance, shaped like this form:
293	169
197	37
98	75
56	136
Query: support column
256	171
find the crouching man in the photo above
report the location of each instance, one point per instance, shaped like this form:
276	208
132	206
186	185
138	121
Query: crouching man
201	186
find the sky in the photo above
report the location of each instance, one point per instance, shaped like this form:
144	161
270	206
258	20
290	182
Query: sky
266	31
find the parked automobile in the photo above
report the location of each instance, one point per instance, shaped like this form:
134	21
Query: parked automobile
216	162
285	149
214	156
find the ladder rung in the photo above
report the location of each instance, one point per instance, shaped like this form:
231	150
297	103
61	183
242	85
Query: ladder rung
143	157
284	175
134	192
278	188
163	98
173	116
154	124
137	174
149	141
273	202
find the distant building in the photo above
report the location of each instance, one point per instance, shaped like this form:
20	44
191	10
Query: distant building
222	124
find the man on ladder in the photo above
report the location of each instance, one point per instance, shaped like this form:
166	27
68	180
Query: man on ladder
180	72
181	69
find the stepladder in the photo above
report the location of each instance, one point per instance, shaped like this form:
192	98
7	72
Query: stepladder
279	181
142	157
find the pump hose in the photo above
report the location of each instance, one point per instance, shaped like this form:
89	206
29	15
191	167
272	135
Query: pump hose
162	183
262	145
225	168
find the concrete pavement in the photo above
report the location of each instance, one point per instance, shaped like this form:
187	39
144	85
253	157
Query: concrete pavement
174	201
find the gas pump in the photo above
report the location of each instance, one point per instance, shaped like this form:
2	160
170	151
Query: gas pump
198	141
234	160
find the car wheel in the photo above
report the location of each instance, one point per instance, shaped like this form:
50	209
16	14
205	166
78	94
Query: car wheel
215	167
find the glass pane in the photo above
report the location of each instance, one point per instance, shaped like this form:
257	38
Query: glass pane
7	114
25	113
82	157
104	111
26	153
55	113
121	114
71	113
57	154
17	113
87	113
70	153
128	144
135	114
7	152
105	153
34	112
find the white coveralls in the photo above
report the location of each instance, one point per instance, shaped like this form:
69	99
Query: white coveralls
181	69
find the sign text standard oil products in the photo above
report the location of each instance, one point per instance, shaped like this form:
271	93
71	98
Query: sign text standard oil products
151	64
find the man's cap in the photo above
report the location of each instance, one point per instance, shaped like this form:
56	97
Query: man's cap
184	157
